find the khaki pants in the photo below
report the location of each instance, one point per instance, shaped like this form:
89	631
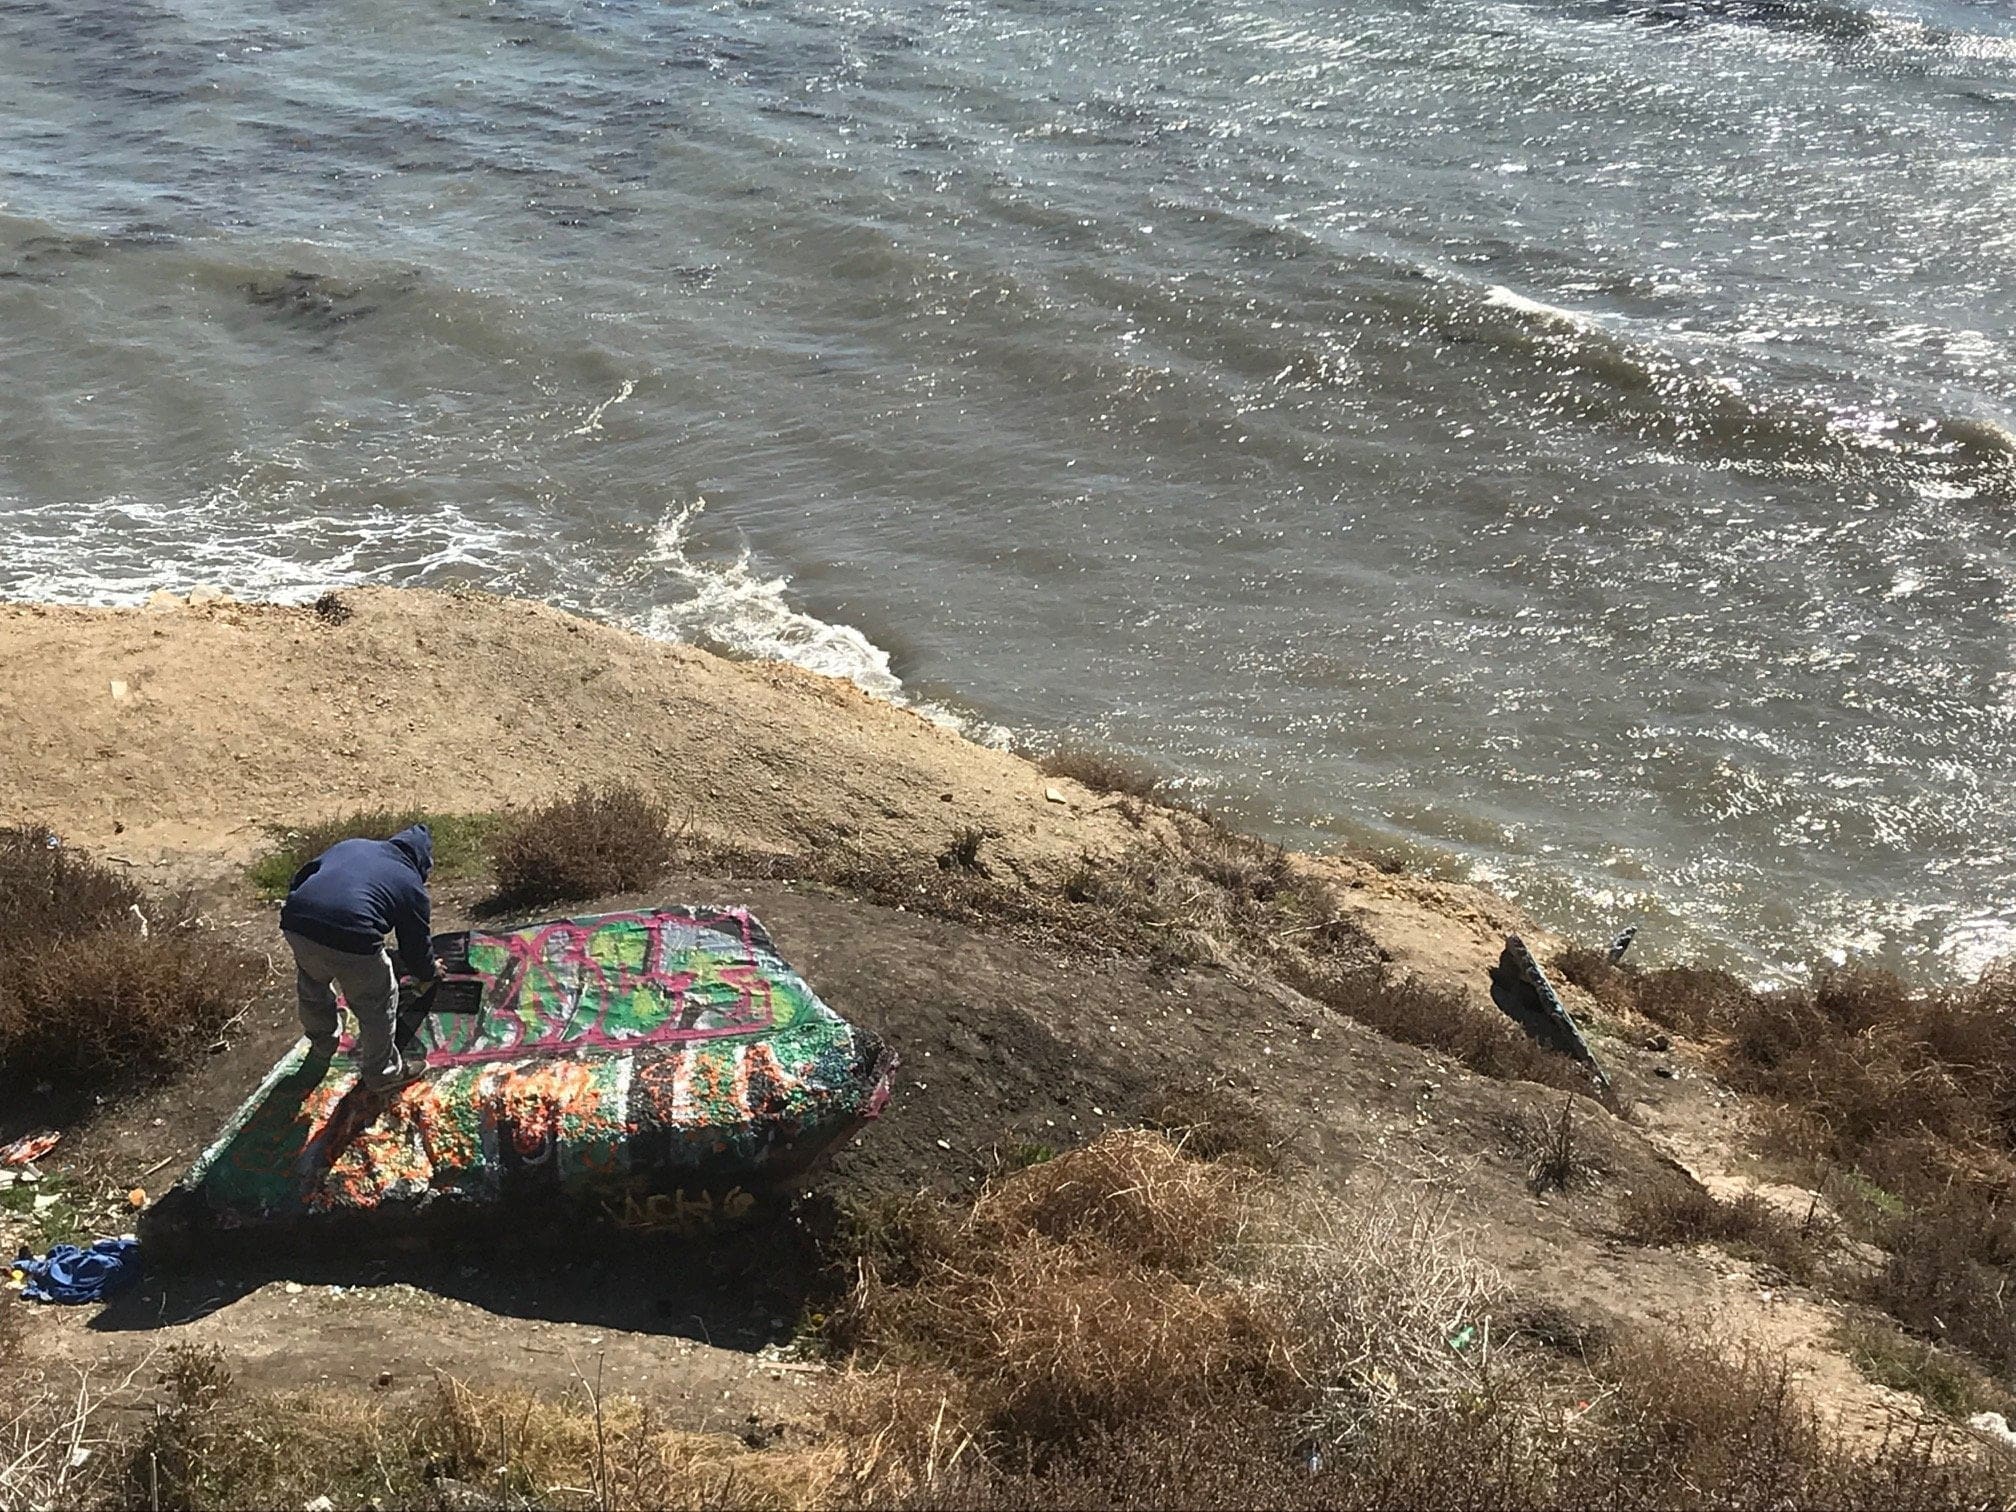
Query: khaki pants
370	988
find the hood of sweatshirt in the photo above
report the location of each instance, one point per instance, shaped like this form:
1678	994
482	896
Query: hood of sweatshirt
418	845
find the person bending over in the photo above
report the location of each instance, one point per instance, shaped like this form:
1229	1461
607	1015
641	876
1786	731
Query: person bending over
339	908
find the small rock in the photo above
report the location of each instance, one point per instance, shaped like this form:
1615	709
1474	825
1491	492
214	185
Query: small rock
294	1288
1660	1043
120	692
205	594
945	798
1666	1071
1055	795
1995	1426
944	1144
320	1504
452	1495
161	599
137	1198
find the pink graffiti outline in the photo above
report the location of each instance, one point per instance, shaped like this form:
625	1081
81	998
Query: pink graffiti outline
532	959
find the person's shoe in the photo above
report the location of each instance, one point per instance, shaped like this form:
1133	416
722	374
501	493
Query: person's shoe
411	1068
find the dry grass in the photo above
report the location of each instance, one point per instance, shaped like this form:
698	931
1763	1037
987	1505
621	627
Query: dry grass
1386	1303
1124	1326
1075	1297
1211	1122
99	987
1677	1211
211	1445
593	842
1397	1395
1902	1103
57	1443
1103	772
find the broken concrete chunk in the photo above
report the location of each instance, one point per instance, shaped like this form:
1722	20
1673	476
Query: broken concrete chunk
1521	990
661	1069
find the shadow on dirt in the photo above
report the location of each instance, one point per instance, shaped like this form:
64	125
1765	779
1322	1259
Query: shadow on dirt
741	1290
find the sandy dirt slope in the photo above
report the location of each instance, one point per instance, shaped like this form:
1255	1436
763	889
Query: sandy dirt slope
189	728
183	732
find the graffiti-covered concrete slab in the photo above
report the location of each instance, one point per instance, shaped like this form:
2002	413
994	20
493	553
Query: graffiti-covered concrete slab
662	1068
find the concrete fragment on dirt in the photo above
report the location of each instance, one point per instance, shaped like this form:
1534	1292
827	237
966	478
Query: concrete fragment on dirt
1521	990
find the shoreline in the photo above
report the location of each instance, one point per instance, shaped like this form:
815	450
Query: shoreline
179	735
463	700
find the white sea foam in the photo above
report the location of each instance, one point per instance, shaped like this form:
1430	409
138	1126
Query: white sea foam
1540	310
593	423
731	605
118	549
739	609
1972	945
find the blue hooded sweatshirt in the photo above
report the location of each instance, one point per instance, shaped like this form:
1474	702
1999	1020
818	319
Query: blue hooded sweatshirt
358	891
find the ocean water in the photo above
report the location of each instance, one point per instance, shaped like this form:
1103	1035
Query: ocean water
1567	442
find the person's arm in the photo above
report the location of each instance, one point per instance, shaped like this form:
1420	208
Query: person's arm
413	925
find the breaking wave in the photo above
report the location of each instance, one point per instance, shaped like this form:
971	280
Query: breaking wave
733	607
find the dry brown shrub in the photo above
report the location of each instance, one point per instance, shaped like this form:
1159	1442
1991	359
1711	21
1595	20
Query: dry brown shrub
1665	1425
1678	1212
1947	1274
1903	1103
1104	772
1073	1297
1556	1161
1130	1192
1692	1413
112	1008
1332	1354
49	891
1436	1018
1692	999
1212	1122
1591	970
595	841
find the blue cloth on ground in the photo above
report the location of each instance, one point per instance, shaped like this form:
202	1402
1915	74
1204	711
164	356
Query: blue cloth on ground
68	1274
